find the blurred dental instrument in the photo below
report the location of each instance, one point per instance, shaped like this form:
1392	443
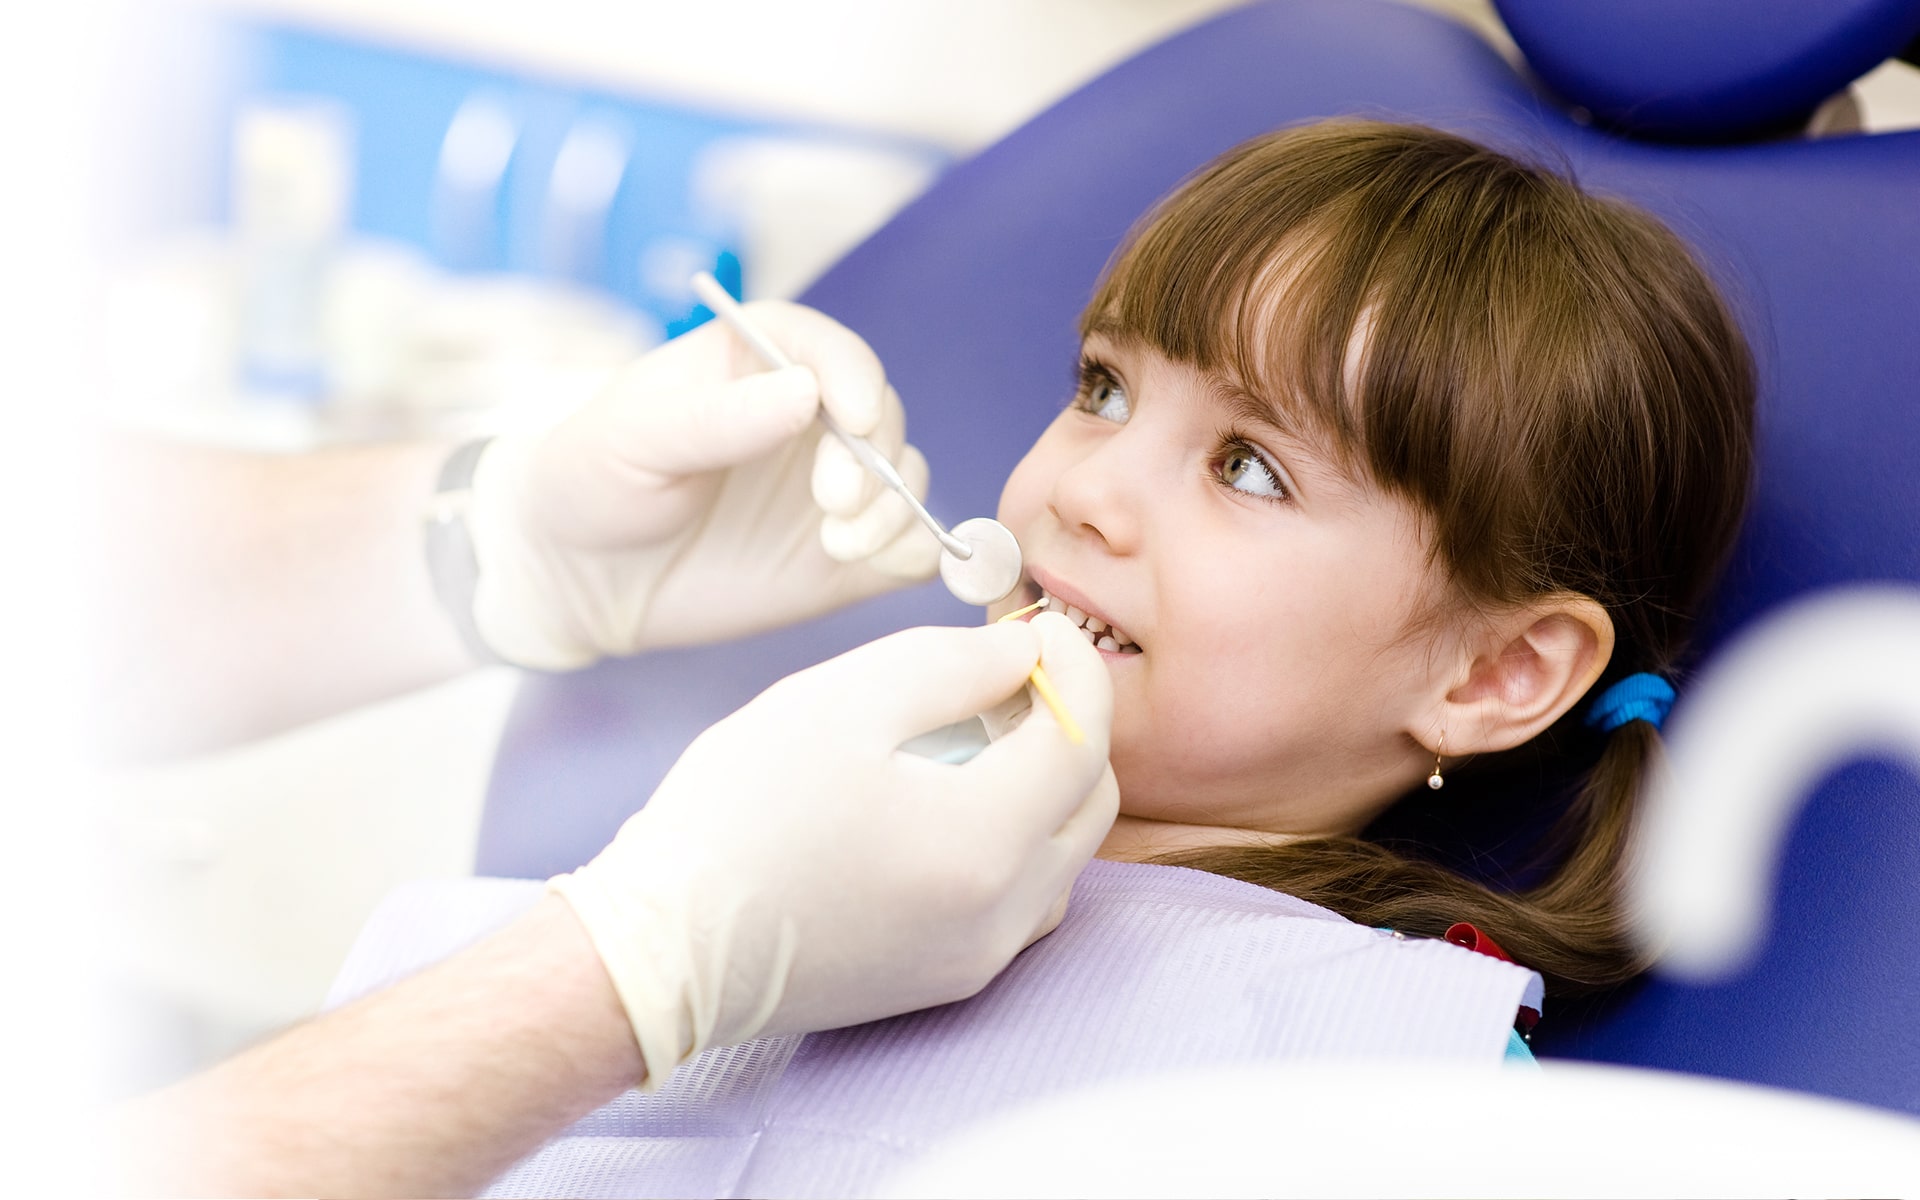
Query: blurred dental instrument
979	558
292	179
1824	678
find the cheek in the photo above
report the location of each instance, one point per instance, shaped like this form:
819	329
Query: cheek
1224	692
1222	689
1251	684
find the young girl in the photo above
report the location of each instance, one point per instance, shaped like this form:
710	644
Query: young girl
1395	473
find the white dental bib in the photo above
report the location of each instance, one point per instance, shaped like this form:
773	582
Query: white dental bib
1154	969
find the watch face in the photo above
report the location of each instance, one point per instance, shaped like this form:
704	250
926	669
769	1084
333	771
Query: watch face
451	563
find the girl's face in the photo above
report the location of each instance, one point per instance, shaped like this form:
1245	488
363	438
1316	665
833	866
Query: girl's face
1280	677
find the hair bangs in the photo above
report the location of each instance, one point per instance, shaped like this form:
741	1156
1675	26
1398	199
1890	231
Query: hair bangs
1291	280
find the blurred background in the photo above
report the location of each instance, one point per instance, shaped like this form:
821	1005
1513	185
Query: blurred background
371	219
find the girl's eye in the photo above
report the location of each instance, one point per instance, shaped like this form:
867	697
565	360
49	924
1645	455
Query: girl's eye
1243	469
1102	395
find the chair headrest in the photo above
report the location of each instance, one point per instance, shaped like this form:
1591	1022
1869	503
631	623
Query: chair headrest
1705	70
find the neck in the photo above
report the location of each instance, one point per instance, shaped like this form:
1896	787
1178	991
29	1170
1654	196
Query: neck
1139	839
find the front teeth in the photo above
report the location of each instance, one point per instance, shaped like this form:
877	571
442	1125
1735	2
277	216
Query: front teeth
1106	637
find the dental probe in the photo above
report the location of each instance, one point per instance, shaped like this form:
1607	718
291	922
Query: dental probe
1043	684
979	557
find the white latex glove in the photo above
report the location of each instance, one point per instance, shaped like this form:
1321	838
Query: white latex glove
685	503
795	872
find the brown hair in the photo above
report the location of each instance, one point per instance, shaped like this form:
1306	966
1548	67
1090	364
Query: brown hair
1548	375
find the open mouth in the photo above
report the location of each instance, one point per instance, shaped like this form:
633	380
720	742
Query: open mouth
1110	638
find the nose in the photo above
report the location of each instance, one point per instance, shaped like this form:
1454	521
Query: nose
1099	495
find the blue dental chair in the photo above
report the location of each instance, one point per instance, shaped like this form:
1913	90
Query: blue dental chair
970	297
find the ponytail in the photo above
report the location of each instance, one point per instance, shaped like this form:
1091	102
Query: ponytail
1570	926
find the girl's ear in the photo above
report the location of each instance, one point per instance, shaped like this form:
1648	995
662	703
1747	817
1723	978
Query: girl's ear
1527	668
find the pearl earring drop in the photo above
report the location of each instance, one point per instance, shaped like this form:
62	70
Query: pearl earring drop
1435	780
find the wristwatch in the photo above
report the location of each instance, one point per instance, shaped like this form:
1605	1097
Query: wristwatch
451	562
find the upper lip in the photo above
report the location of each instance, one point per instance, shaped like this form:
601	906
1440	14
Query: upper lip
1071	596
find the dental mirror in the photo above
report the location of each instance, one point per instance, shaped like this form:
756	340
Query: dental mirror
979	557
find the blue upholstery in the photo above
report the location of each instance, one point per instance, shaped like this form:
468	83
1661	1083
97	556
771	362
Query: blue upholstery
970	297
1705	69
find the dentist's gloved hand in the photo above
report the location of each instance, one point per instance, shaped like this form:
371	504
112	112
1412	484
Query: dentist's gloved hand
685	504
795	873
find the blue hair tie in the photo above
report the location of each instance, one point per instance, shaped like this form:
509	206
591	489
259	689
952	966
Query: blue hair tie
1641	697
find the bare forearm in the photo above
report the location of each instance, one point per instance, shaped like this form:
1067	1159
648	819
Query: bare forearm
431	1088
244	594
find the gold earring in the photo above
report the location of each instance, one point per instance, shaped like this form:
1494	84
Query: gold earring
1435	781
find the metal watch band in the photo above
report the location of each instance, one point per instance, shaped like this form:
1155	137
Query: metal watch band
451	562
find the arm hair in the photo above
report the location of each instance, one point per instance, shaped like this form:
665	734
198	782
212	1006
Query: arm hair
431	1088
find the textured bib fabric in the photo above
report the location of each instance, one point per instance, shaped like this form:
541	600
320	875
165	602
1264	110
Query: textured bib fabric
1155	968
